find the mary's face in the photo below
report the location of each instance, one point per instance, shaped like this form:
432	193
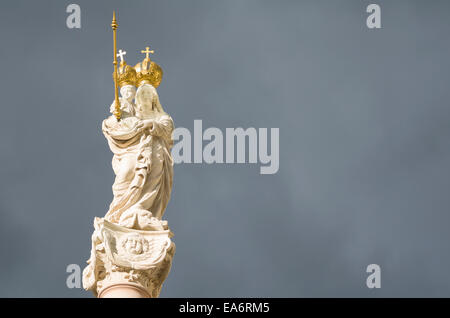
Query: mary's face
147	96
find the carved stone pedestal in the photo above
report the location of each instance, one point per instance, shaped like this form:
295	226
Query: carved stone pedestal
127	262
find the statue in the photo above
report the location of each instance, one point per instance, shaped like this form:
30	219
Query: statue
131	245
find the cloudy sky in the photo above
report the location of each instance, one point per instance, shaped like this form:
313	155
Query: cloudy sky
363	117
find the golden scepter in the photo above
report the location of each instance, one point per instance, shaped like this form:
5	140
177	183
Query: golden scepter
114	26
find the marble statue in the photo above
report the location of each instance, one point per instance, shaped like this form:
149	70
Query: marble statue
142	162
131	253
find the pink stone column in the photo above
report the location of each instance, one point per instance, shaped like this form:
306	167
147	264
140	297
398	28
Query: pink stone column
123	291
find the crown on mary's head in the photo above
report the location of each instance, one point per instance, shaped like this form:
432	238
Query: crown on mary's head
147	71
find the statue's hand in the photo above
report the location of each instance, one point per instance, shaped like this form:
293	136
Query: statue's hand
113	107
148	124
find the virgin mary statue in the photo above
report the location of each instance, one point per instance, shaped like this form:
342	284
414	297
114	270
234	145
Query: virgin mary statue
141	143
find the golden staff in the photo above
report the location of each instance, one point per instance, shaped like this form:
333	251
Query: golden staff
114	26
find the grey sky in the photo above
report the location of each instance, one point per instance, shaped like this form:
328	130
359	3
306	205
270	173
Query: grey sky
364	128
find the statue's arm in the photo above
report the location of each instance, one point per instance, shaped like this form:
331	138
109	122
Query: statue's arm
161	126
122	130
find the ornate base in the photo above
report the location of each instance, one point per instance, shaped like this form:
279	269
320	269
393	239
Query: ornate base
127	262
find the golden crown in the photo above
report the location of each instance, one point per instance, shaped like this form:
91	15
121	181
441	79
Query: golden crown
126	75
147	71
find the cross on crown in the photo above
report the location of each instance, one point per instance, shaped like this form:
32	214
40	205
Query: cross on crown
121	54
147	51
